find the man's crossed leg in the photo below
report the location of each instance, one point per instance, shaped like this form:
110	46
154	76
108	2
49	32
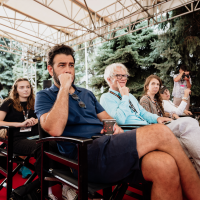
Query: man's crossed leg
168	168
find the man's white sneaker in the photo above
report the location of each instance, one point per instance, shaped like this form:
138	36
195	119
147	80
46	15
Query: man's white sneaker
68	193
51	196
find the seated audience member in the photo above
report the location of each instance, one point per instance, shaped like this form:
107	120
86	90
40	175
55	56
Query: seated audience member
64	105
18	111
182	81
170	107
186	129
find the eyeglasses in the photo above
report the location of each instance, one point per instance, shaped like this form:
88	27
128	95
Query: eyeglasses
80	103
120	76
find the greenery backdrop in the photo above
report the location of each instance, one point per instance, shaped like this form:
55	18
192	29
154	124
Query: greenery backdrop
155	50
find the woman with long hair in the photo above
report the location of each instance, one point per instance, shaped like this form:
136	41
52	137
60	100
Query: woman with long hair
186	129
152	100
18	111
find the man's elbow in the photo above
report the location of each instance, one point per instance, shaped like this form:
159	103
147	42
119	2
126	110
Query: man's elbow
55	132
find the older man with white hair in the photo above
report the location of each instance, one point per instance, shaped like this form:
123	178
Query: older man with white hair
122	105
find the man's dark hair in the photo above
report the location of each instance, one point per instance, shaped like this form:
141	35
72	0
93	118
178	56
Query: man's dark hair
1	87
59	49
183	67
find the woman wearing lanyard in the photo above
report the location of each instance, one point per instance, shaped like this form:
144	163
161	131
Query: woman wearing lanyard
186	129
18	111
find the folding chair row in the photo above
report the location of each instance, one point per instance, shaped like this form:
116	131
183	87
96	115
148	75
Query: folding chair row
65	176
6	149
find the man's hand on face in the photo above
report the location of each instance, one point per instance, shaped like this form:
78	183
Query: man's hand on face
123	90
162	120
66	80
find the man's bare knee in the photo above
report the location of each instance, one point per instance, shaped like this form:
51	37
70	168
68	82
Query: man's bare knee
160	167
151	137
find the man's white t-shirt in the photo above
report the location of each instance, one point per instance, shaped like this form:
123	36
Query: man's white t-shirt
179	87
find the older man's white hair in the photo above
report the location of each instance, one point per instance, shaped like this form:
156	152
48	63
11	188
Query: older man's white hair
109	71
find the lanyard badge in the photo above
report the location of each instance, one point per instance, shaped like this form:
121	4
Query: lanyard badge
25	114
25	129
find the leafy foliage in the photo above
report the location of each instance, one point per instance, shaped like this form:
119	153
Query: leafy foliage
158	52
179	43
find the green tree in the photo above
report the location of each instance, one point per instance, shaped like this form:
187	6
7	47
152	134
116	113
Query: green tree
6	63
80	67
131	50
17	68
179	43
42	74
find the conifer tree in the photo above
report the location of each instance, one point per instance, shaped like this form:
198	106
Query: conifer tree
130	50
179	44
6	63
80	68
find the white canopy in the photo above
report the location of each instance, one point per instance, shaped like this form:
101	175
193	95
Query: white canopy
43	23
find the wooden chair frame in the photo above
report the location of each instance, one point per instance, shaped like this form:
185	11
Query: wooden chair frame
11	157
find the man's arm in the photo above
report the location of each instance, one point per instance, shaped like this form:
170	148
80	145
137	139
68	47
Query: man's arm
103	115
55	120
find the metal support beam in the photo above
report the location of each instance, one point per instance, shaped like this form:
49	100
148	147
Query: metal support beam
71	20
89	14
106	21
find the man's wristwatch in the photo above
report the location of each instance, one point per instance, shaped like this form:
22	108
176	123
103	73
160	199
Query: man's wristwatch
185	98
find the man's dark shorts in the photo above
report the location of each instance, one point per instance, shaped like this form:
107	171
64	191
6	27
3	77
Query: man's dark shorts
113	158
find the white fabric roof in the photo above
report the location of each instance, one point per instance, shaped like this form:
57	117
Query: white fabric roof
43	23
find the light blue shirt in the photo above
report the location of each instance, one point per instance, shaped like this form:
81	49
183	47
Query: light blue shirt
120	110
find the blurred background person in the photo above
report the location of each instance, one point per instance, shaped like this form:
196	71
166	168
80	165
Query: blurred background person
170	107
182	81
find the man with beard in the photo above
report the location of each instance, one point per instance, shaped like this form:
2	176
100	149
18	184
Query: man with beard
150	152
